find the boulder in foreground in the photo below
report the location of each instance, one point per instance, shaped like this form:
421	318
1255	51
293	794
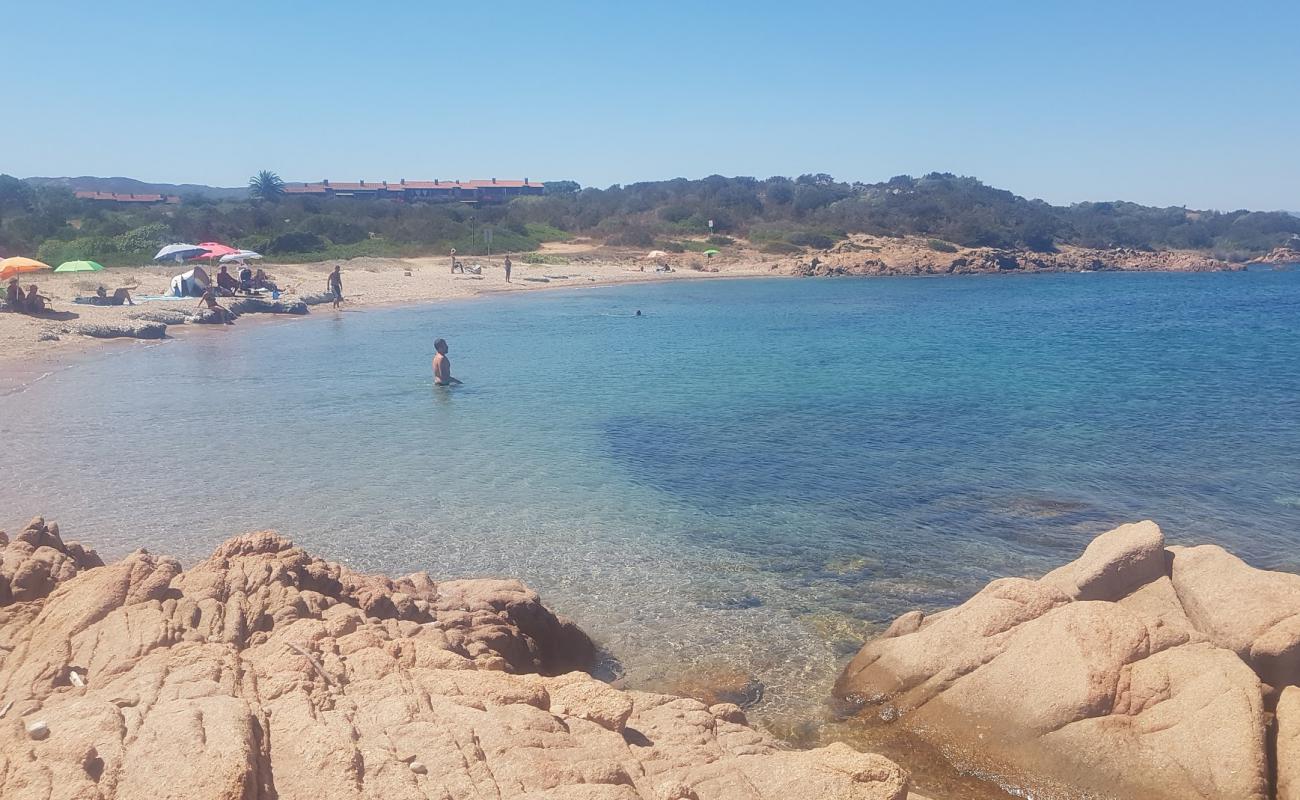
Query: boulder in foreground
1135	671
265	673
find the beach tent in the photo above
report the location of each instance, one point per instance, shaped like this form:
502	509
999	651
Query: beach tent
190	284
79	266
179	252
17	265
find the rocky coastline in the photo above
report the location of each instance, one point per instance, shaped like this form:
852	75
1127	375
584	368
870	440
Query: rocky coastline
263	672
1139	670
1280	255
879	255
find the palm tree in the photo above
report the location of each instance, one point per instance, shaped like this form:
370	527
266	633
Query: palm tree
266	185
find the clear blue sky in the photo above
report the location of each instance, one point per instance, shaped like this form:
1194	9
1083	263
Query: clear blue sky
1194	103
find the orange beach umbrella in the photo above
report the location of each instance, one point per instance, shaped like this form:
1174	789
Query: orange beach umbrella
17	265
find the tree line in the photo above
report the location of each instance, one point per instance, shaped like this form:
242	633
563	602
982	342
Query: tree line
777	214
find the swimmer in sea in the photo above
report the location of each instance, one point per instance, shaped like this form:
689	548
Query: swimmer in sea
442	365
638	312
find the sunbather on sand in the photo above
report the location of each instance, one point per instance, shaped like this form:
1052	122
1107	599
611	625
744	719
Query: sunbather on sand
226	283
262	281
103	298
35	301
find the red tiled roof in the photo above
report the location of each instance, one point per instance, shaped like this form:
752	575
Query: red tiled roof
507	184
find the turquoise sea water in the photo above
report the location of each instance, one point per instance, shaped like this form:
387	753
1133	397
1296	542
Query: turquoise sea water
754	474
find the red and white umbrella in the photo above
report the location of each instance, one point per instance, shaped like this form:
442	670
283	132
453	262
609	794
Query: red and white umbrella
216	250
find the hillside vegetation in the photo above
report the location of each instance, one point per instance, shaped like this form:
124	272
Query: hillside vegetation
778	215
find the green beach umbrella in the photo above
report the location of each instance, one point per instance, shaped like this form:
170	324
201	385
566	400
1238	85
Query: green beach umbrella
79	266
709	253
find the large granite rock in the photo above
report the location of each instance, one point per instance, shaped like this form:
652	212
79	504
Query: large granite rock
264	673
1135	671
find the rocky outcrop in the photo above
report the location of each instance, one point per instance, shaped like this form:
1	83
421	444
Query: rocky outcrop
1136	671
258	305
126	329
1280	255
263	672
879	255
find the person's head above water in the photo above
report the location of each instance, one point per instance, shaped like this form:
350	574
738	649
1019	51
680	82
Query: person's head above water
638	312
440	345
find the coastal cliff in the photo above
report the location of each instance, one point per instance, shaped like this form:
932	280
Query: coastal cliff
263	672
1136	671
884	255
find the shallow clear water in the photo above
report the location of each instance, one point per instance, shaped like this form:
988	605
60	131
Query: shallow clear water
754	474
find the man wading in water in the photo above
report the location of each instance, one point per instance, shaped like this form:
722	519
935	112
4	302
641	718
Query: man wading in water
442	365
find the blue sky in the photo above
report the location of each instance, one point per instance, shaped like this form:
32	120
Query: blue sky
1188	103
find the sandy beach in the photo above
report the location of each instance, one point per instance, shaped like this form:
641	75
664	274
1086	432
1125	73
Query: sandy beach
35	346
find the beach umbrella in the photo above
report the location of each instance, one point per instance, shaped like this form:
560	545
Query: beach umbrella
179	252
79	266
216	250
242	255
710	253
17	265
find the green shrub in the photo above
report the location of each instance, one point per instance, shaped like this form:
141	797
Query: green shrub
145	237
780	248
813	239
670	246
296	242
720	241
941	246
541	232
544	258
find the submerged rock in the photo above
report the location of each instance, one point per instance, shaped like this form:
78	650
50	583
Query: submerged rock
1135	671
264	672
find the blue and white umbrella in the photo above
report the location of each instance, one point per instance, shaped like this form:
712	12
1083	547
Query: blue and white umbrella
242	255
179	252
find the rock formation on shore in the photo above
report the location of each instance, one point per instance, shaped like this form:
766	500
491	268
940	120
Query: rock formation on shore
263	673
1136	671
881	255
1280	255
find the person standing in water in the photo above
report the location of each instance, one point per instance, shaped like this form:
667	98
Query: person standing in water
335	285
508	266
442	365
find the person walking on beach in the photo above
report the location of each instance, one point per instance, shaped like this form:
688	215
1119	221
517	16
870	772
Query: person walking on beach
335	285
508	266
442	365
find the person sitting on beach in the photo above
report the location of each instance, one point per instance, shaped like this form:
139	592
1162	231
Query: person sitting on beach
14	299
226	283
103	298
34	303
262	281
442	365
246	278
334	285
210	299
